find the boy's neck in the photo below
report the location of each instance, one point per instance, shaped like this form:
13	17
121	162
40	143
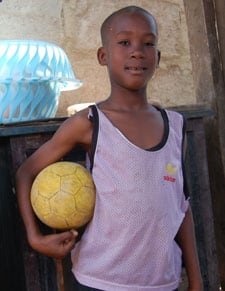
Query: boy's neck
128	99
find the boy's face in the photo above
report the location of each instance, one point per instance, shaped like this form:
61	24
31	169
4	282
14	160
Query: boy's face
130	50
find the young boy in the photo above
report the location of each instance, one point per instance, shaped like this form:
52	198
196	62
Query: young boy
142	223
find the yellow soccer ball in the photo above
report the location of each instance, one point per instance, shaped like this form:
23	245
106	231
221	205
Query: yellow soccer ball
63	195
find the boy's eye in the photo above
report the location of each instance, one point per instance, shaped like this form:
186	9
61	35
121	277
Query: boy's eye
127	43
149	43
124	42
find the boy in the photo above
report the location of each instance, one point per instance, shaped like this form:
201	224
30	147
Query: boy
142	220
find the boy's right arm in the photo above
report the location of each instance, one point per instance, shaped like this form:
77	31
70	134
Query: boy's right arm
76	130
52	245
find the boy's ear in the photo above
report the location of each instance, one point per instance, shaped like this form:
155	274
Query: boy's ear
101	54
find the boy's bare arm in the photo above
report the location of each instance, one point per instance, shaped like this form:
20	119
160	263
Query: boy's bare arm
75	130
186	240
52	245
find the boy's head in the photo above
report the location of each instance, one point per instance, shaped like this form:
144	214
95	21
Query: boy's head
129	10
129	47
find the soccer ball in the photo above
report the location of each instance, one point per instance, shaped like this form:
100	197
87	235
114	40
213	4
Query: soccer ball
63	195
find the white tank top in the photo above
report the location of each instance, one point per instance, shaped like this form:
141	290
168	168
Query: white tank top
140	205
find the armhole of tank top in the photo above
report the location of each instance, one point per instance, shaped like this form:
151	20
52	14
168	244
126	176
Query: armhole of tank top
184	153
95	119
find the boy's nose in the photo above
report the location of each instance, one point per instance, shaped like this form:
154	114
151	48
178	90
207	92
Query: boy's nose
137	55
137	52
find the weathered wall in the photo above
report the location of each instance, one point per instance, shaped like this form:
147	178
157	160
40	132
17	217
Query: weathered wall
74	25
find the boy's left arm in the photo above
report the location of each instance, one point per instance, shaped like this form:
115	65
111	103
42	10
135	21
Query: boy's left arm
186	240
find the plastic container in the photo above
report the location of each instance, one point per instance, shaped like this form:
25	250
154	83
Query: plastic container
32	75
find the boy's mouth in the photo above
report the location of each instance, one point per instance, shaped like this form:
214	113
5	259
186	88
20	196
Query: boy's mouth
135	69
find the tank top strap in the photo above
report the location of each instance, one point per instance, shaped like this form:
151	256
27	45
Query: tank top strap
93	116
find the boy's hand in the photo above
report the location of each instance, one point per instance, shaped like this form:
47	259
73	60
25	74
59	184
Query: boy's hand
56	245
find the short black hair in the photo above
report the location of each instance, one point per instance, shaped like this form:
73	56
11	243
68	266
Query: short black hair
128	9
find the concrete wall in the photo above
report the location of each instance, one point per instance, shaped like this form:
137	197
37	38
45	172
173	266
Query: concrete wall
74	25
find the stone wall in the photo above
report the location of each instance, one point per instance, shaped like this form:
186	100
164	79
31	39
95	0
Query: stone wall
74	25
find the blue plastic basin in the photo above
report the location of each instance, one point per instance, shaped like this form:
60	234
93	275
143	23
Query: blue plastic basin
32	75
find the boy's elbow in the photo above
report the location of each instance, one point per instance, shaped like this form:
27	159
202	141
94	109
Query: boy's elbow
19	174
18	179
23	176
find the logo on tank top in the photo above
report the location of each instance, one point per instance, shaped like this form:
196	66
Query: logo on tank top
170	170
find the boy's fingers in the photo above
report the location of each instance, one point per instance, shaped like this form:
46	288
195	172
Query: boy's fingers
68	236
74	232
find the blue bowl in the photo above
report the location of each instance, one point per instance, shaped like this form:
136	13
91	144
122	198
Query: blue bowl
32	75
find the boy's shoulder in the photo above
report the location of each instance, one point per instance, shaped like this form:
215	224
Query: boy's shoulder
80	116
78	127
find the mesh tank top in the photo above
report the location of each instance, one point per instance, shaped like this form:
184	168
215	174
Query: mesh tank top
140	205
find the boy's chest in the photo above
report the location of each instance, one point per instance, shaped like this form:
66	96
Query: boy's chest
143	130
